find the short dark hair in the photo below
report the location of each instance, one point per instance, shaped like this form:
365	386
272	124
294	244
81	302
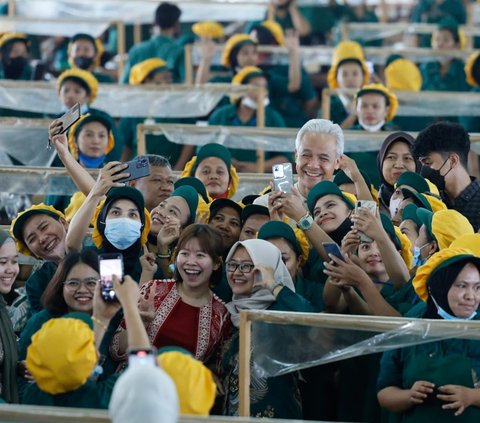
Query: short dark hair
264	36
210	241
156	160
443	138
167	15
476	70
52	298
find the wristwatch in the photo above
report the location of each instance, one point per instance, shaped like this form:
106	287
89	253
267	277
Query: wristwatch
305	222
276	285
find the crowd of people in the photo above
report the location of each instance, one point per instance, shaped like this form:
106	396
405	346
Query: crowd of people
405	219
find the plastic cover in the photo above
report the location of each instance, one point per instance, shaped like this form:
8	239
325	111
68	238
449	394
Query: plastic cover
338	337
25	140
173	101
52	26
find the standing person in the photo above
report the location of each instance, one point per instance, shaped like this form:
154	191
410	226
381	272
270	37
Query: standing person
166	28
443	149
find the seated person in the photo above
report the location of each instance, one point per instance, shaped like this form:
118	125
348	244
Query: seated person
472	71
254	217
14	49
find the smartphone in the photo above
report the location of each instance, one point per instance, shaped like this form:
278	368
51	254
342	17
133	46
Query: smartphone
142	357
137	168
282	177
69	118
109	264
333	249
372	207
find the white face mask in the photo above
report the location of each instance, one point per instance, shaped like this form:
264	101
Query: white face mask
371	128
393	206
252	104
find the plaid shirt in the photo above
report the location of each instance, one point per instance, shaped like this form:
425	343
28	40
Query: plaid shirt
468	203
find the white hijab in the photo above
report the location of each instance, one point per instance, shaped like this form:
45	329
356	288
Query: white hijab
261	252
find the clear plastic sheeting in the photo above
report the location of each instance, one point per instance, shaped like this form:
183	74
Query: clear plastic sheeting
293	343
171	101
25	140
251	138
52	26
143	11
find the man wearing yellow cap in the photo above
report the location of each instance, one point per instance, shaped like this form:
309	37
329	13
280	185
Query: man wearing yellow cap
162	44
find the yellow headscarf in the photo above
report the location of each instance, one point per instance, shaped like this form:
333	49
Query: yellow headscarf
347	50
85	76
381	89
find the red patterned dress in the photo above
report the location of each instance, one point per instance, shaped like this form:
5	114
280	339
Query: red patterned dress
200	330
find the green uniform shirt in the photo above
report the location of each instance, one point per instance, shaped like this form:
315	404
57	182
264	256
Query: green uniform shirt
158	46
227	116
471	123
453	80
31	328
337	111
37	282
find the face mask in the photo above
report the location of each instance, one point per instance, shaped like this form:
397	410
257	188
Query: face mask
122	232
393	206
252	104
434	176
91	162
447	316
14	67
417	251
83	62
371	128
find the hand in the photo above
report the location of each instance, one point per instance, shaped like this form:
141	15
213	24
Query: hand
24	372
274	206
107	178
264	277
292	40
340	284
202	217
346	271
127	292
350	242
207	48
458	397
420	390
148	261
146	305
102	310
168	233
350	168
59	141
290	204
367	223
244	167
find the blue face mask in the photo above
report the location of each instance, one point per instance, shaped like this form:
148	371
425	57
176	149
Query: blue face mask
417	259
91	162
122	232
447	316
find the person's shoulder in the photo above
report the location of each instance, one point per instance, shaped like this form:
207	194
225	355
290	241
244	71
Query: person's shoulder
274	118
223	112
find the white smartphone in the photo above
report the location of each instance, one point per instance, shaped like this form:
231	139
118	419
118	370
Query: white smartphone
282	177
372	207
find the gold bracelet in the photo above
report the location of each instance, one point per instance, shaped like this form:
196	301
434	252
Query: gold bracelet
99	323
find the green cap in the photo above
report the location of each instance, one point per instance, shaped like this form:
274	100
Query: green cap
221	203
419	199
214	150
392	58
195	183
252	209
276	229
455	259
390	230
413	180
321	190
190	195
410	212
341	178
426	217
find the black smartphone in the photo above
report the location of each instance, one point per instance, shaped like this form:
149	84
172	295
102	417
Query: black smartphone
137	168
109	265
333	249
142	357
69	118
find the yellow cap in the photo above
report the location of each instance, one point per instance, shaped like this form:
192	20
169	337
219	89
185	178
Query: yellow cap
447	225
233	42
245	74
469	67
470	242
303	244
435	262
194	381
75	130
16	227
62	355
403	75
276	30
10	36
381	89
435	203
347	50
85	76
208	29
432	187
141	70
406	251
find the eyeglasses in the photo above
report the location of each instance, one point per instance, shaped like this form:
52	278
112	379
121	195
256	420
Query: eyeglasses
243	267
74	284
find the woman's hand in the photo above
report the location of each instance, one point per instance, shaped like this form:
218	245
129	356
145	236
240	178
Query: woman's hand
458	397
207	48
127	292
108	177
347	271
367	223
263	276
146	305
102	310
168	233
58	141
350	242
148	261
420	390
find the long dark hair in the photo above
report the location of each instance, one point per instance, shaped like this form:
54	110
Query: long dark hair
52	299
210	241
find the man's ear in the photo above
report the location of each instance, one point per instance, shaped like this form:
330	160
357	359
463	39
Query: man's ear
454	159
337	162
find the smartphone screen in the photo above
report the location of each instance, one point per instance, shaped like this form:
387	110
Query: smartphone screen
282	177
333	249
110	264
